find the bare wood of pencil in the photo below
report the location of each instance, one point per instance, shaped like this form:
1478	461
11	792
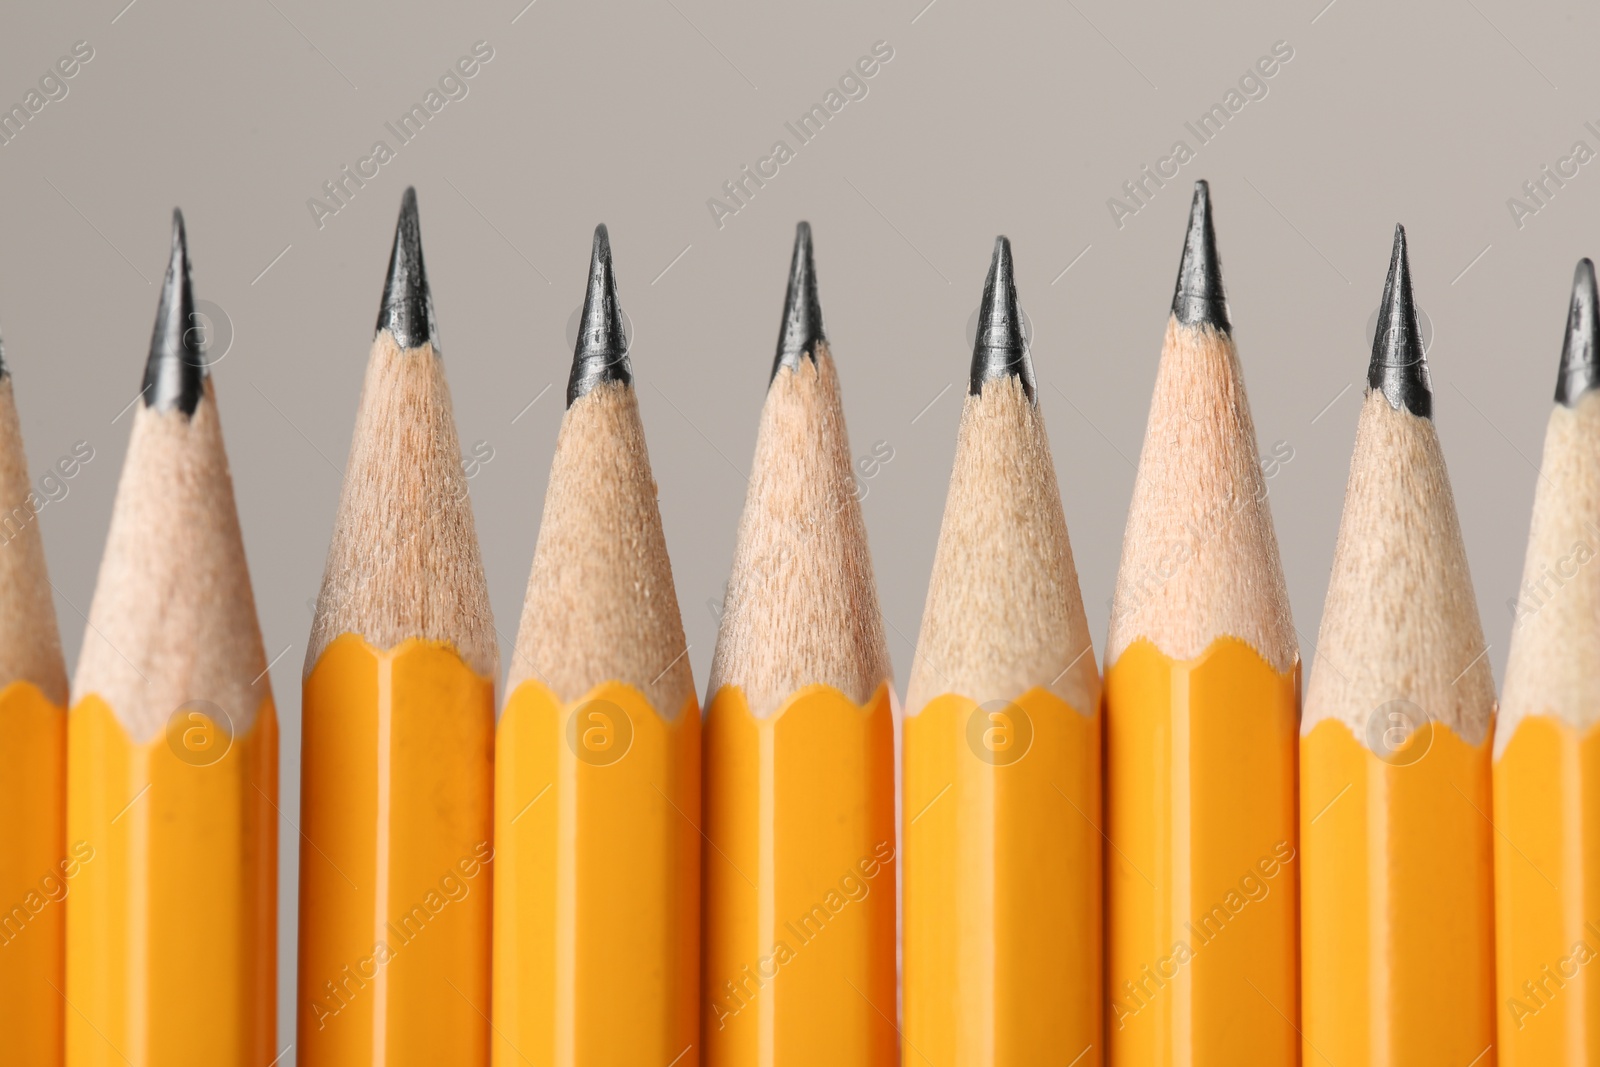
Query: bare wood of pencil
1551	668
173	616
390	577
30	648
1004	611
601	603
1200	487
1400	605
802	607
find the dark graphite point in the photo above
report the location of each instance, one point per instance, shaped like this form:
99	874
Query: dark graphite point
1000	350
1580	348
1398	369
802	312
175	373
1198	299
601	354
407	309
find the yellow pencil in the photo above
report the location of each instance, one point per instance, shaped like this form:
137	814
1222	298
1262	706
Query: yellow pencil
397	762
799	895
173	749
1547	741
1001	795
597	775
1397	914
37	869
1202	705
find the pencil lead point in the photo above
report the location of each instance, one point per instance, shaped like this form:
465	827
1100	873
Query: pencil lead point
175	373
601	354
1399	369
1199	299
802	312
407	309
1580	349
1000	350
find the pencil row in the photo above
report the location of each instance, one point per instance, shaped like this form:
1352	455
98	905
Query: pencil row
1177	862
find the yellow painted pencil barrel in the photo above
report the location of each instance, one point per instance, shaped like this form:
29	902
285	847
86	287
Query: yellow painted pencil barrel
1547	790
597	877
1002	875
1391	836
1547	742
395	883
1200	807
799	949
37	871
175	837
37	866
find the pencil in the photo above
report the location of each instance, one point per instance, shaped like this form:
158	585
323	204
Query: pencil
36	869
597	774
397	759
1397	916
799	872
1547	744
172	777
1202	706
1001	793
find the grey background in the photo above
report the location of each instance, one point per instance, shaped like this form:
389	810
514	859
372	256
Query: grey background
999	117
